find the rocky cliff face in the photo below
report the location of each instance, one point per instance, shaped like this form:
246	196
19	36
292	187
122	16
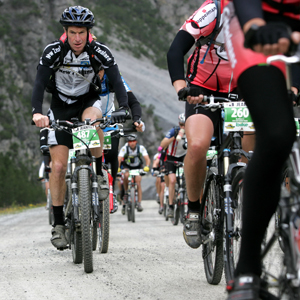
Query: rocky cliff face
28	26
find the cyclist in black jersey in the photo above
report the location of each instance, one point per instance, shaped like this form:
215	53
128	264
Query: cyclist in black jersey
265	26
73	96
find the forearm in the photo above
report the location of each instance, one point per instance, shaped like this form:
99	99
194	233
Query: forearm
166	142
41	81
135	107
249	12
181	44
115	79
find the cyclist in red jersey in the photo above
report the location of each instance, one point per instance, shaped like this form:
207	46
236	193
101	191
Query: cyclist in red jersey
264	91
208	72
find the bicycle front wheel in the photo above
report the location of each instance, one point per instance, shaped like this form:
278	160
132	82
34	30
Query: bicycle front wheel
233	242
175	219
85	218
50	211
133	202
104	226
212	230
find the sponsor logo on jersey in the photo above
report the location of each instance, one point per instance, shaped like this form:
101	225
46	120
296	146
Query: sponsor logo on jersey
104	54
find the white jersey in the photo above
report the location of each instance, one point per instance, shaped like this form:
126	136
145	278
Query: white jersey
132	157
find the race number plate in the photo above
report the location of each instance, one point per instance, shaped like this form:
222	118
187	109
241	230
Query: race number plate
237	117
88	134
135	172
107	141
210	154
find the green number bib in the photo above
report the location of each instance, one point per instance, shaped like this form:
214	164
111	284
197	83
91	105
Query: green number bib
237	117
107	141
135	172
87	134
210	154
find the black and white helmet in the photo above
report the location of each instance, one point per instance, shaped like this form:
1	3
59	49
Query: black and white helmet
181	118
132	137
77	16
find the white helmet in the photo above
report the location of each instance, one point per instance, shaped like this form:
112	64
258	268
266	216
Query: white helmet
181	118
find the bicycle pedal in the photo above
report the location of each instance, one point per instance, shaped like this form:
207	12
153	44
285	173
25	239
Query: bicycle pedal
207	238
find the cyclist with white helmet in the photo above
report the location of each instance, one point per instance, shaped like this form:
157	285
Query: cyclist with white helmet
131	156
175	145
73	65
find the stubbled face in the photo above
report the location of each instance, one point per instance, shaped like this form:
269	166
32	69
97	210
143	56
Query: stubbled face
77	38
132	144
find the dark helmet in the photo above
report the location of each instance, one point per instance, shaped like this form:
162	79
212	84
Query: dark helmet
77	16
132	137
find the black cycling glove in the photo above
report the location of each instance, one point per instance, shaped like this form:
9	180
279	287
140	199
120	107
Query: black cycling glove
267	34
120	115
193	91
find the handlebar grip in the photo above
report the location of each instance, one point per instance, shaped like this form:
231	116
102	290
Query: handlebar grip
128	130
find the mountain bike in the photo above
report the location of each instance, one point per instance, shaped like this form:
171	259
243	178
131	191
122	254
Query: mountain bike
132	200
180	199
108	207
82	206
281	248
218	225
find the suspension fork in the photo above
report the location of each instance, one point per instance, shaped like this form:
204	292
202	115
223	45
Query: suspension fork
227	188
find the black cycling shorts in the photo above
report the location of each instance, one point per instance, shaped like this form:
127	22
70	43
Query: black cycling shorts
63	111
214	116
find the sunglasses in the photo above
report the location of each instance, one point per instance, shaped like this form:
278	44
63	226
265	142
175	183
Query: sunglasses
131	141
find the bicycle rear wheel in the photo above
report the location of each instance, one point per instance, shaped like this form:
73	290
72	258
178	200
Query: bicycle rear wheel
281	257
233	243
104	226
212	225
85	218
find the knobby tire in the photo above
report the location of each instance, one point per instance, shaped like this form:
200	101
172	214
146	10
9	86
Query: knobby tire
103	229
233	244
85	205
213	249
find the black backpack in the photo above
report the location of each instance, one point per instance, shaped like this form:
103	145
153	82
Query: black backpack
96	82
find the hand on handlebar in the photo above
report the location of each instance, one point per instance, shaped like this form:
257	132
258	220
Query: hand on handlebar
139	125
272	38
120	115
190	94
40	120
146	169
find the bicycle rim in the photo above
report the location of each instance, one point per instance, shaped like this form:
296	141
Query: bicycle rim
212	223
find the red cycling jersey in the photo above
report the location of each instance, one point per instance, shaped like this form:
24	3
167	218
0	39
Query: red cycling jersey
271	8
240	58
215	72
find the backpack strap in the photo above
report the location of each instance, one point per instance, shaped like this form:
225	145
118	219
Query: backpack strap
210	39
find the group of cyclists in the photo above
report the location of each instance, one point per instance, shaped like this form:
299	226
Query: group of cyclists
231	41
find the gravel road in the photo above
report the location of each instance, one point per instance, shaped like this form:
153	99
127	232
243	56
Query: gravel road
147	259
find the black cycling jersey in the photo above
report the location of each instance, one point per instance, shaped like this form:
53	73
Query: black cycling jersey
74	81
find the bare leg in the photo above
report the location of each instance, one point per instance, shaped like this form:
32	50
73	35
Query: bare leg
199	131
59	156
172	182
